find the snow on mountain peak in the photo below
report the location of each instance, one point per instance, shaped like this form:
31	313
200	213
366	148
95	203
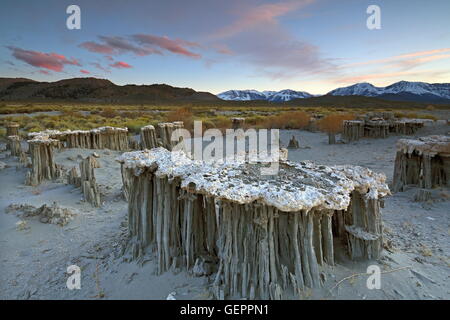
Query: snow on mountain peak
402	90
421	89
273	96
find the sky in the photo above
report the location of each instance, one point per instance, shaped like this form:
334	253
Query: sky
214	46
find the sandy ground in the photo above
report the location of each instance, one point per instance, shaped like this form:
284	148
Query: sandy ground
34	260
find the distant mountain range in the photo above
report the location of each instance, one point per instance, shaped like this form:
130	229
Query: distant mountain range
399	91
104	91
272	96
95	90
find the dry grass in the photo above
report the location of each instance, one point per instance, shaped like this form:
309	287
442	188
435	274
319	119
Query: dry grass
333	122
257	115
182	114
414	115
287	120
109	113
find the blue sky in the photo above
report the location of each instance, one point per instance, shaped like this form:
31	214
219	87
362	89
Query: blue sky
210	45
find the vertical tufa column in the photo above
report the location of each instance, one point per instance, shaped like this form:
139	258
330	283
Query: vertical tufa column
43	166
14	146
88	183
12	129
148	137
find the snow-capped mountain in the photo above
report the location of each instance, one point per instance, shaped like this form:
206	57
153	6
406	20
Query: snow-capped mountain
359	89
403	90
242	95
273	96
287	95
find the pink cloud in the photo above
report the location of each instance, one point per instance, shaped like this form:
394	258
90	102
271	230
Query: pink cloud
366	77
177	46
84	71
113	45
412	63
256	37
262	14
44	72
222	49
51	61
121	45
97	47
400	57
120	65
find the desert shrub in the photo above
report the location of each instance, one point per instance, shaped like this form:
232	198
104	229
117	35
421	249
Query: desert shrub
208	124
109	113
181	114
133	114
222	122
135	125
71	113
333	122
288	120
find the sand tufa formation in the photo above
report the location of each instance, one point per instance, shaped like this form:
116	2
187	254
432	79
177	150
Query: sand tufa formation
423	162
263	236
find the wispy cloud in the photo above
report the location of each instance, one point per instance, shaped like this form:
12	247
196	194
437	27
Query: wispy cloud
177	46
412	63
50	61
119	45
397	66
116	45
97	47
260	15
141	45
424	75
257	38
84	71
398	57
121	65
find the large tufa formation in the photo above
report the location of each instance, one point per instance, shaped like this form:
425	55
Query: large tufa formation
424	162
352	130
263	236
43	165
148	137
87	181
100	138
376	128
165	131
406	126
14	145
379	125
161	136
